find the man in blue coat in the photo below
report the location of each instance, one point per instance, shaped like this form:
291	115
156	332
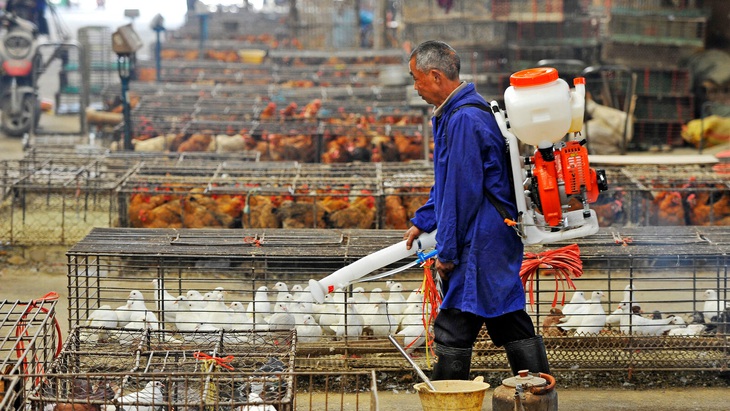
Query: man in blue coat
479	255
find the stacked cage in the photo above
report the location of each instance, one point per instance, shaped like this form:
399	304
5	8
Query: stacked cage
96	67
29	341
654	39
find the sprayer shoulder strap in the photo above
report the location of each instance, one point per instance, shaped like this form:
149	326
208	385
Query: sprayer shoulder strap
492	199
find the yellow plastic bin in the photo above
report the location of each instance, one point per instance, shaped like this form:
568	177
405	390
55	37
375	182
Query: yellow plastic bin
452	395
252	56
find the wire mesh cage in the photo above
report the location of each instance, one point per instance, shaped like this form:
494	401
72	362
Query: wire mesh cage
352	390
199	369
29	342
680	278
56	199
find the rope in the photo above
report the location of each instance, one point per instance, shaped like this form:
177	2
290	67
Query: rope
430	306
565	263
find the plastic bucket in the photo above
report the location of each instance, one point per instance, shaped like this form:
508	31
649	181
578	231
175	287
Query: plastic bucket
452	395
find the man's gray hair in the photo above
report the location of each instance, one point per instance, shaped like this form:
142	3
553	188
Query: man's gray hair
434	54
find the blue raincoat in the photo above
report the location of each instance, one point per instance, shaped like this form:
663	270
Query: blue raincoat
469	158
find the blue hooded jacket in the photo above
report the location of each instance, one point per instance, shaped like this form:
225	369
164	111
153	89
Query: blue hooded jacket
469	158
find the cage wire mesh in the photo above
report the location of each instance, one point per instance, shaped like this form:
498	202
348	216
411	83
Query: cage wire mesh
29	343
675	272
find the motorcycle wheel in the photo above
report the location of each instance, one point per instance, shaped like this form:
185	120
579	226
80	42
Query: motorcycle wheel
19	124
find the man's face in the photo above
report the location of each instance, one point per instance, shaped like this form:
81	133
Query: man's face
424	84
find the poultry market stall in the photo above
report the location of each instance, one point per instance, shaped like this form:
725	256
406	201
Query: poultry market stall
679	281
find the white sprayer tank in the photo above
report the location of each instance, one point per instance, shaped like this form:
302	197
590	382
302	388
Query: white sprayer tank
538	105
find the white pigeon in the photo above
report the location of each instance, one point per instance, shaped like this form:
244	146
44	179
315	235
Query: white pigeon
217	313
412	329
595	317
713	306
579	310
167	307
197	299
416	296
358	294
576	302
148	399
396	300
308	331
380	321
135	303
297	291
187	317
281	288
260	307
351	324
281	320
329	314
255	403
690	329
637	324
101	318
239	319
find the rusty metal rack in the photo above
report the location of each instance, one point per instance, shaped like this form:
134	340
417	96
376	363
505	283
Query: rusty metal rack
198	368
29	342
669	270
357	390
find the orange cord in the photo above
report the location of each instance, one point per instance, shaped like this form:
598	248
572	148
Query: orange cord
565	263
22	331
430	307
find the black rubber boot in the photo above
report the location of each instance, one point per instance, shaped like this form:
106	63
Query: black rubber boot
528	354
453	363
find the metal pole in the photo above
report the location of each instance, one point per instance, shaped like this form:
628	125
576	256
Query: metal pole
158	52
125	69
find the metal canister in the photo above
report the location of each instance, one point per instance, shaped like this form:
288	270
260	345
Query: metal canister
526	392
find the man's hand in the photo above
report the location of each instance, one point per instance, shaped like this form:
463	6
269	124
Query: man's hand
411	235
443	269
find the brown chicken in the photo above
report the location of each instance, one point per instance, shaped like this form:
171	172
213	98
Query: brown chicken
301	215
409	147
360	214
268	112
167	215
197	142
200	211
396	216
144	201
260	212
310	110
668	208
708	207
550	323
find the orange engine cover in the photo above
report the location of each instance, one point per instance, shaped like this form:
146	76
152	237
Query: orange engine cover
570	168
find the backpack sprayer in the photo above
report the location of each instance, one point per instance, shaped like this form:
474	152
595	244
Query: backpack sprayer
540	109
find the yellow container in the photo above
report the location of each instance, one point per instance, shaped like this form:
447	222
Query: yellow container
252	56
452	395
